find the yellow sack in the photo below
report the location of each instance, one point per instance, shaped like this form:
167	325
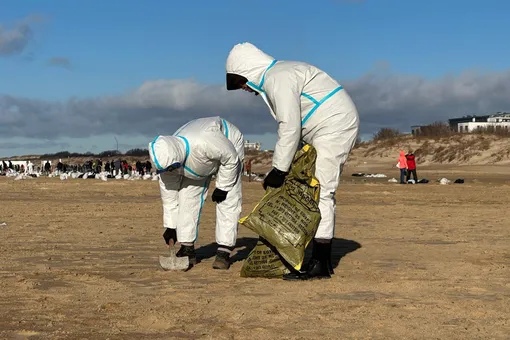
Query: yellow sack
288	217
263	262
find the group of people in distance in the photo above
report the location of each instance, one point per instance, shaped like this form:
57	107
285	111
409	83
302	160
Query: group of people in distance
308	105
407	165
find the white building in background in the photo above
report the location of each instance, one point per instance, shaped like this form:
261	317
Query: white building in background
251	145
501	120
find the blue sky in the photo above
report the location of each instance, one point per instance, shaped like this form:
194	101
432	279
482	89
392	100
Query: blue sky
77	69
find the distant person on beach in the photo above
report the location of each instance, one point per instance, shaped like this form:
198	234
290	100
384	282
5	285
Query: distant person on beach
411	167
402	165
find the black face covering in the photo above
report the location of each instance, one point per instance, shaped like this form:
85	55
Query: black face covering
235	81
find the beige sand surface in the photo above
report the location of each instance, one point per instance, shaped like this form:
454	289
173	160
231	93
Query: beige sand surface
78	260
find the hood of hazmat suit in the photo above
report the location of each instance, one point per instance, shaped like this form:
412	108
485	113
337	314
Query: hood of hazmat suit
305	101
247	61
216	123
199	149
166	151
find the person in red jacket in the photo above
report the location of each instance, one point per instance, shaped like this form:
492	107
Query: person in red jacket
411	166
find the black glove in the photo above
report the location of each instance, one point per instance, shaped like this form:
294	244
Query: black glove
170	234
218	195
274	179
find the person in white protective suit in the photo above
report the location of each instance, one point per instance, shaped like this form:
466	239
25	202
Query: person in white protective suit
309	106
186	162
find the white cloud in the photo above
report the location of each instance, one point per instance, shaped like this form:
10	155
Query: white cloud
62	62
161	106
158	106
392	100
14	40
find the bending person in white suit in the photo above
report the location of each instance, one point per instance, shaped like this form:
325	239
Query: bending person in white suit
309	106
186	162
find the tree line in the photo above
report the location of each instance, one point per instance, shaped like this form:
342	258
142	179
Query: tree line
103	154
439	130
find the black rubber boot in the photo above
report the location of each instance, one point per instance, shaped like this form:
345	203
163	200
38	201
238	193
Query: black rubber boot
319	266
222	260
328	250
189	251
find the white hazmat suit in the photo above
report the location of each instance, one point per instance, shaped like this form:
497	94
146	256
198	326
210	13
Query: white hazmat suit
202	148
308	105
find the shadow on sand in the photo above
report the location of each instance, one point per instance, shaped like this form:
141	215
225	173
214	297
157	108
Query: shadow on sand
244	245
